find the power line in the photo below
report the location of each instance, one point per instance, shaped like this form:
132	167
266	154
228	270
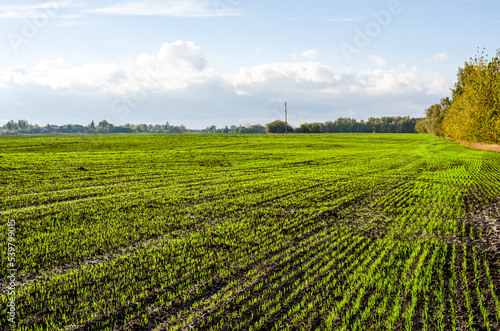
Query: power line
286	122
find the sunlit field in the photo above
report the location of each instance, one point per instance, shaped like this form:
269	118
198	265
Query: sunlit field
250	232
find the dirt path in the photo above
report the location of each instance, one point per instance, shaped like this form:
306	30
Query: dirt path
484	147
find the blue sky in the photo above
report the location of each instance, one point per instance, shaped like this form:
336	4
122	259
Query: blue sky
224	62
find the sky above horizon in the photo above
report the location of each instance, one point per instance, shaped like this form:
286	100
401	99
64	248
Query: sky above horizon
225	62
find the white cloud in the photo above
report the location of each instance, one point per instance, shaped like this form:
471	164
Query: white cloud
317	78
58	74
378	60
175	8
401	80
49	8
176	66
182	66
71	20
438	84
438	57
309	54
278	77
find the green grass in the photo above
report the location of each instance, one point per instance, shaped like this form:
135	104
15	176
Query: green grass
240	232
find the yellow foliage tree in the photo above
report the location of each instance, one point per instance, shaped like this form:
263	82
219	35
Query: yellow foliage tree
474	114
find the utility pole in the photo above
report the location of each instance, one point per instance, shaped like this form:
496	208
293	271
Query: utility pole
286	123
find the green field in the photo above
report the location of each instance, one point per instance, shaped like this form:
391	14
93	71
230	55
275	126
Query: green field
250	232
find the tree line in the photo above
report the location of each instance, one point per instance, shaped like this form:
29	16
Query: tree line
473	112
392	124
396	124
22	126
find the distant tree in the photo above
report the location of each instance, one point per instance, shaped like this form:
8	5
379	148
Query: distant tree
310	128
78	128
121	129
315	128
384	124
328	126
278	127
103	124
158	128
179	129
256	128
434	116
142	128
35	129
11	125
23	125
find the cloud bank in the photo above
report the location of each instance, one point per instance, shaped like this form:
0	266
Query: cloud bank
180	74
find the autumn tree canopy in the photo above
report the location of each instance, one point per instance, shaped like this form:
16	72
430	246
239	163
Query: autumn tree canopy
473	114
